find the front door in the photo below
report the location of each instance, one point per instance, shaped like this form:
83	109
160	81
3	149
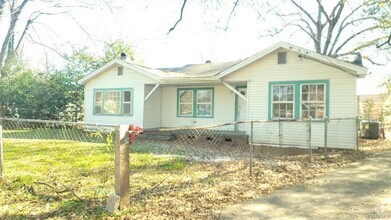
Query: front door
241	109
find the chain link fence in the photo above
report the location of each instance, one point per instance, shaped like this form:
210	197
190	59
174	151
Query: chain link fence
173	167
59	162
263	140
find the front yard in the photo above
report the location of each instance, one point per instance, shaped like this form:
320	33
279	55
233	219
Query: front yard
71	180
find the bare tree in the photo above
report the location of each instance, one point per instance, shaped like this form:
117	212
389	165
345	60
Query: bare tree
347	22
18	17
335	28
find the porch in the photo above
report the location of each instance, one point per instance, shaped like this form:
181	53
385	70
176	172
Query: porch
193	105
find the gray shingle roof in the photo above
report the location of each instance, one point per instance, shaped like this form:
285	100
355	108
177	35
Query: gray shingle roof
198	70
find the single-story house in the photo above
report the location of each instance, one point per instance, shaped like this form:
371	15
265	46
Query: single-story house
281	82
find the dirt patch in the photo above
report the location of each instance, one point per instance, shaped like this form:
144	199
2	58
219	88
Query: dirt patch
219	185
360	191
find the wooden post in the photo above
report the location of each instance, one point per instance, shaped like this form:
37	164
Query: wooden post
121	198
1	149
122	170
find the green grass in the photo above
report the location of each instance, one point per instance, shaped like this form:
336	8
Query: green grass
86	168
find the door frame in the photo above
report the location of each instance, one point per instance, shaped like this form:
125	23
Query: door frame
237	103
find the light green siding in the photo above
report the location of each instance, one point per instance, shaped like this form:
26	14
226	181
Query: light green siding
110	79
152	107
342	93
223	107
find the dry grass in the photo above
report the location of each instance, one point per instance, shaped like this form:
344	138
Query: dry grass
162	186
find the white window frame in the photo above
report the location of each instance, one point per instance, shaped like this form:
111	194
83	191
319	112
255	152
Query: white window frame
98	103
105	101
127	102
313	102
121	101
204	103
186	103
283	102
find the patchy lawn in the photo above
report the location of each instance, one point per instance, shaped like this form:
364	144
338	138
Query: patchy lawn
71	180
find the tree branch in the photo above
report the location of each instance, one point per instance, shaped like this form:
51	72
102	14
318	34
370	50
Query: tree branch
353	36
230	15
46	46
341	28
180	17
332	23
67	189
388	41
15	12
304	11
323	11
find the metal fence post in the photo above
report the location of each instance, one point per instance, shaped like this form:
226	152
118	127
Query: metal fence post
279	133
251	147
309	141
325	136
1	149
358	128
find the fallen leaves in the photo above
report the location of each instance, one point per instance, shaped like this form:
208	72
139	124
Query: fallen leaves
225	183
162	187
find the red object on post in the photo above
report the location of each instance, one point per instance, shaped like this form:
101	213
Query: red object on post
133	131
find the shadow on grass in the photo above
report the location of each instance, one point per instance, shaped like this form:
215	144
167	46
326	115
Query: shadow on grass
68	209
161	189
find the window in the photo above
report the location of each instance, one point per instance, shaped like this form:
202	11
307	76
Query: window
98	102
299	99
113	101
185	102
120	71
283	101
204	103
127	102
195	102
313	101
281	57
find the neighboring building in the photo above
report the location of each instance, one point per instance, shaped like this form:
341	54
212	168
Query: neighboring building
283	81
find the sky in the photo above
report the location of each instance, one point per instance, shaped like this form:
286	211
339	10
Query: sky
200	36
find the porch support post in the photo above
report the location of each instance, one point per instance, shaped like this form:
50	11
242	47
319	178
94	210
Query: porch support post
234	90
151	92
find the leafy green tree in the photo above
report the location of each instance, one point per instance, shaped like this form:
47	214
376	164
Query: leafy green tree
113	49
53	94
79	63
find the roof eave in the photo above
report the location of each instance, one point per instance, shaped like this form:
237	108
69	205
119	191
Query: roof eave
357	71
105	67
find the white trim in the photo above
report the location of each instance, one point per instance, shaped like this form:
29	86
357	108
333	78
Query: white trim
118	62
234	90
161	78
283	102
357	71
151	92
